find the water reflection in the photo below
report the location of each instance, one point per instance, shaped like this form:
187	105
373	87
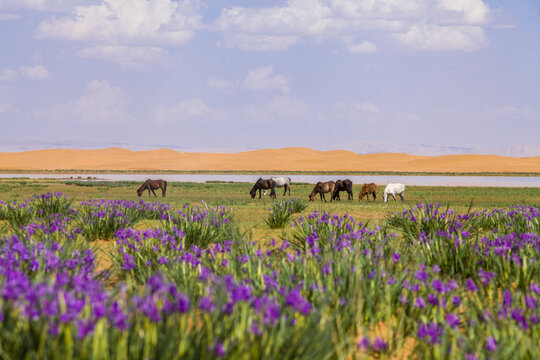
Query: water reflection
485	181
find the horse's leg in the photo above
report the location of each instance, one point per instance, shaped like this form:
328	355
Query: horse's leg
148	191
394	197
401	196
285	192
374	196
259	193
153	192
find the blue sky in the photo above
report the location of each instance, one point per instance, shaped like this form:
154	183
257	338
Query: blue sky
417	76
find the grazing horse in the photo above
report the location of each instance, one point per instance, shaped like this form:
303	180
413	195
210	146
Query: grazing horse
393	189
283	182
342	185
263	184
152	185
321	188
368	189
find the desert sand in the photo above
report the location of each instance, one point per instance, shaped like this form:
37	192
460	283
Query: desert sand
286	159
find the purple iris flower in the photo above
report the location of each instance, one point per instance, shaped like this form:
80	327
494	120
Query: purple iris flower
491	344
206	304
421	275
295	300
452	320
437	285
379	345
432	331
471	286
531	302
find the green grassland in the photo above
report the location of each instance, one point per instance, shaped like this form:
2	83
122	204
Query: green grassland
251	213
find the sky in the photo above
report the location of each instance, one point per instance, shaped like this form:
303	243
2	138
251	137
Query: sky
424	77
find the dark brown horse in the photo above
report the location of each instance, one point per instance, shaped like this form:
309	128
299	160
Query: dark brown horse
152	185
368	189
321	188
263	184
342	185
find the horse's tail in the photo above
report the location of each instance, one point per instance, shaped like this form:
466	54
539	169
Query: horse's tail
273	191
164	187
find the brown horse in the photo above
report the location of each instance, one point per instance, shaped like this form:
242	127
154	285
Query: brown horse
366	190
263	184
321	188
152	185
342	185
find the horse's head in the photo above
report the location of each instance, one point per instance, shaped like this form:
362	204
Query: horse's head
140	191
313	194
253	192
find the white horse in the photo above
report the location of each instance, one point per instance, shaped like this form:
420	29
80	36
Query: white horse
393	189
283	182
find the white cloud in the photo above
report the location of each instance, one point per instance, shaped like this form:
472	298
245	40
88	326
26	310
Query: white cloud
126	21
9	17
188	110
219	84
101	104
260	42
279	27
262	79
42	5
35	72
8	75
127	32
351	110
126	56
366	107
364	47
5	108
442	38
472	11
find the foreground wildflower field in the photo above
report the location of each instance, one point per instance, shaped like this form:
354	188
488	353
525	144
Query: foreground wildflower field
96	273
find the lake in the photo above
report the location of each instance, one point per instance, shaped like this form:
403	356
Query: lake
482	181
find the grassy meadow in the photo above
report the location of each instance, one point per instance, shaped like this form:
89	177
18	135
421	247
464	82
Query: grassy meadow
251	213
90	271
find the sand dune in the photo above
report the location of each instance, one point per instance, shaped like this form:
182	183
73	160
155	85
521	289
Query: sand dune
287	159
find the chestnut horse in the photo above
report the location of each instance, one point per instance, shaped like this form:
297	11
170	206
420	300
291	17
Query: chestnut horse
342	185
321	188
368	189
263	184
152	185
